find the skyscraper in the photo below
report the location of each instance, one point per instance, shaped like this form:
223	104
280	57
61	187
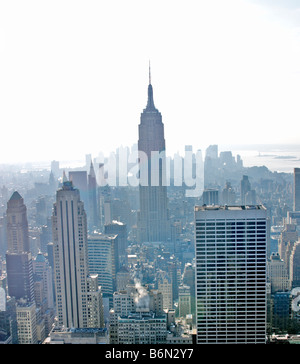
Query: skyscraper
93	219
18	257
296	189
231	246
80	181
70	257
245	187
153	219
117	227
17	225
104	260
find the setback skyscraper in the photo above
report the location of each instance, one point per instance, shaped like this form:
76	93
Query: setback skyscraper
18	256
70	257
17	225
153	219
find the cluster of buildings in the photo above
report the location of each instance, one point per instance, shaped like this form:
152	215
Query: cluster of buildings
150	263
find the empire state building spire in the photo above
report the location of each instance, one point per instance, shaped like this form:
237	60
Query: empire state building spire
150	104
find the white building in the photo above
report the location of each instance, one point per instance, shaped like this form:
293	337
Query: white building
62	335
102	257
27	323
142	328
231	245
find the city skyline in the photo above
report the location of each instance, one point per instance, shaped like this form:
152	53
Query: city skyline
161	231
85	64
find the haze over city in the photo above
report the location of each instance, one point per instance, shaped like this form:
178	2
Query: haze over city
150	174
73	74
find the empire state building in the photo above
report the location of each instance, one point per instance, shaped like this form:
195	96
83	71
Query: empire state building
153	217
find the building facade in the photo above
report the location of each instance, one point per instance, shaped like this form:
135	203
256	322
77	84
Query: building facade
142	328
231	297
27	323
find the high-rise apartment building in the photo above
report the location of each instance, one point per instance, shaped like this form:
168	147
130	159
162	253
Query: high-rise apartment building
70	257
153	216
231	246
296	189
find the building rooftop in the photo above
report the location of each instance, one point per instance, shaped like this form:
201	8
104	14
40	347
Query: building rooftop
231	208
16	196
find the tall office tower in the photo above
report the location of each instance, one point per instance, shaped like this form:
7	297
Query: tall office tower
286	241
55	168
93	218
17	225
18	256
70	257
231	245
117	227
212	152
153	216
103	260
228	195
8	320
43	271
250	198
20	276
245	187
80	181
294	269
296	189
3	237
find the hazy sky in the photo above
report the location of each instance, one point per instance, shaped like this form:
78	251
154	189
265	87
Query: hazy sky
74	74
